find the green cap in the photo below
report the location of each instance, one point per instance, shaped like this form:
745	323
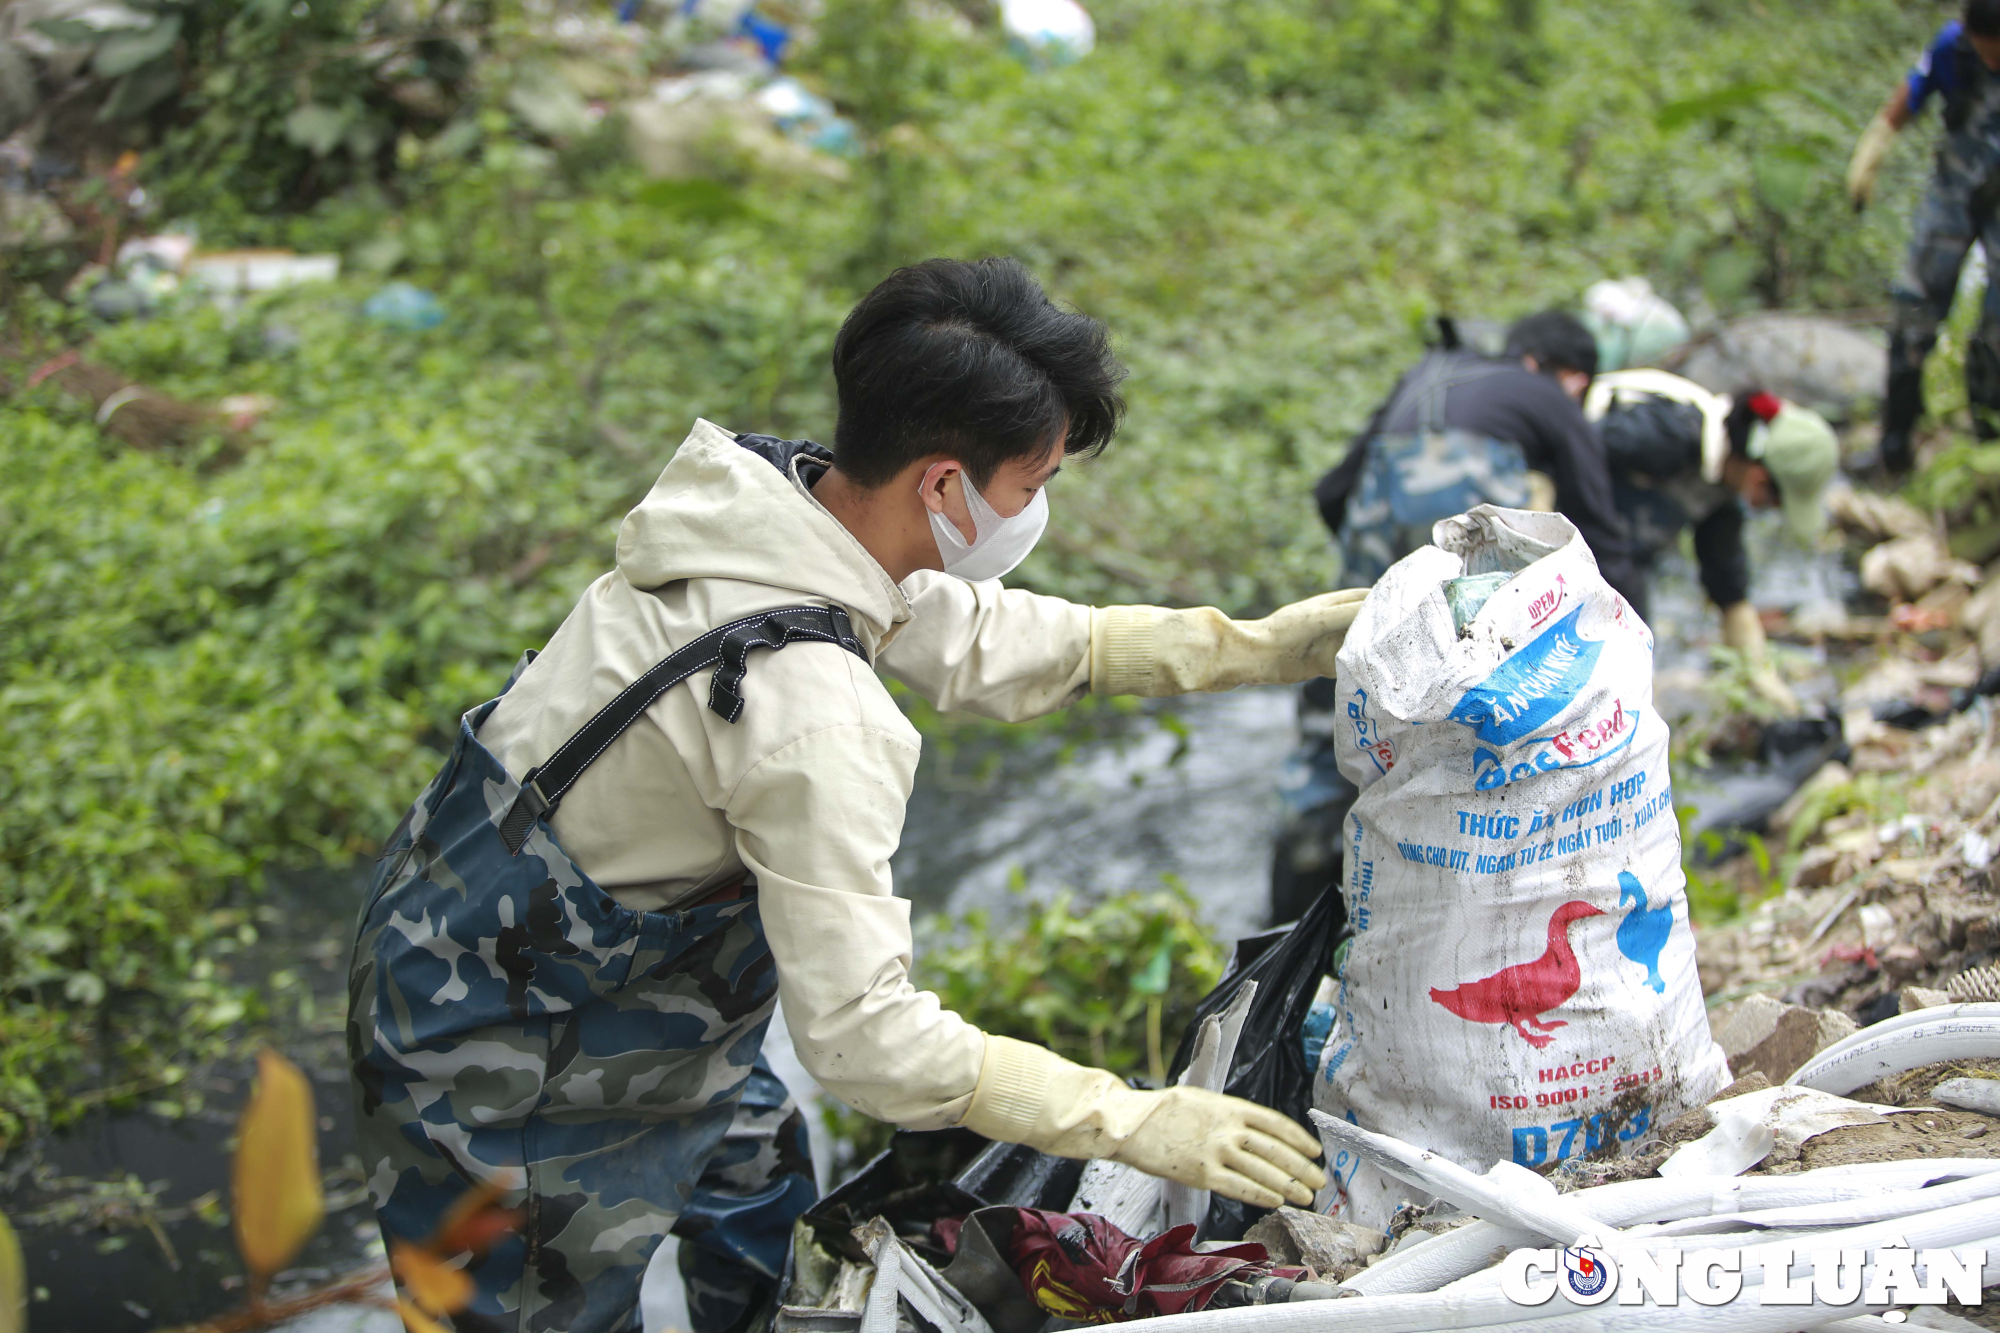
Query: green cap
1802	453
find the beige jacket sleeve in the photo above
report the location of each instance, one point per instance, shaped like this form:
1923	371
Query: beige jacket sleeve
982	648
815	823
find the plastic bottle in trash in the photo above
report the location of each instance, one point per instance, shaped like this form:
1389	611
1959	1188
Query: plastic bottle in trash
1047	32
402	306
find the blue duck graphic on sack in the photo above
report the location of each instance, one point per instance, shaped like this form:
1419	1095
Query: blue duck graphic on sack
1643	932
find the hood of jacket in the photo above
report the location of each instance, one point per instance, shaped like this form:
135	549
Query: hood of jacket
728	510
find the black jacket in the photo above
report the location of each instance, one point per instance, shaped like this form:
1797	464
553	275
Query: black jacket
1518	406
1655	445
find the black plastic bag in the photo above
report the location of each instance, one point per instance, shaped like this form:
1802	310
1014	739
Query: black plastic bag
1270	1067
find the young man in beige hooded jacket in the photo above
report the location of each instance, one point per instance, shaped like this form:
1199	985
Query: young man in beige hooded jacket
962	390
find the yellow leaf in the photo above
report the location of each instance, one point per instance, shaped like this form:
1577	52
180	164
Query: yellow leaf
431	1282
274	1182
416	1320
13	1282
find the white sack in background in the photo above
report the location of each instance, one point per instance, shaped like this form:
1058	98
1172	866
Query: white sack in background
1521	985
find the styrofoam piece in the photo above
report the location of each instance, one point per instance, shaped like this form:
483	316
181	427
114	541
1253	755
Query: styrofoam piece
1507	1193
1903	1042
1208	1067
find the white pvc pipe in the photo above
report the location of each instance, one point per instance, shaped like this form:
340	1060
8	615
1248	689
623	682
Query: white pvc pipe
1507	1193
1871	1206
1428	1265
1921	1037
1959	1224
1450	1311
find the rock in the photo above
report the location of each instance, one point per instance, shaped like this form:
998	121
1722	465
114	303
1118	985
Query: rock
1767	1036
1906	568
1900	962
1970	1094
1331	1249
1814	361
1920	997
1876	517
1981	615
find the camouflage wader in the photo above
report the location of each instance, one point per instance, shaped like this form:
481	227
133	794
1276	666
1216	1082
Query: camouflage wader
737	1228
1957	209
510	1022
1411	480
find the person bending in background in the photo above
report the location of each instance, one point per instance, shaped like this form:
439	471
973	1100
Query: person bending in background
1683	457
1961	68
1461	429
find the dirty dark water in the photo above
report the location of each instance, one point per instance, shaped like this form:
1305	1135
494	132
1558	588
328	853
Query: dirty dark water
1188	792
122	1219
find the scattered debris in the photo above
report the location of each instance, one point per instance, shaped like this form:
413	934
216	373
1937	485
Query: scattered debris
1045	33
1905	568
1633	324
1330	1249
1876	517
403	306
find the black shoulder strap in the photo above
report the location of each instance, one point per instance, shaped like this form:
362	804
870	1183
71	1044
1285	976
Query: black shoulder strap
1437	374
726	649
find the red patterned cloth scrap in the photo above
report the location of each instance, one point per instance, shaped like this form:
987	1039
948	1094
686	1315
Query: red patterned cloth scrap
1081	1267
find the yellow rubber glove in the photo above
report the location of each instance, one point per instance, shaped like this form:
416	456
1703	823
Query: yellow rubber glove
1743	631
1150	651
1541	492
1193	1136
1866	163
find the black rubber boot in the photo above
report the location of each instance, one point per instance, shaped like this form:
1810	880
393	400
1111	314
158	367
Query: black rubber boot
1902	407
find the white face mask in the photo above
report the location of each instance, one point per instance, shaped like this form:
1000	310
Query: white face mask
999	543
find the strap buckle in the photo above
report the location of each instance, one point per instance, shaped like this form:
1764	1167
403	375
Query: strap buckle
530	806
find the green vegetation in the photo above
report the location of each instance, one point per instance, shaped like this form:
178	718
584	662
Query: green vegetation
211	667
1111	983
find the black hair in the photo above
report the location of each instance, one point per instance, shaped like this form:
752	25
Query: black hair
1982	17
970	359
1556	339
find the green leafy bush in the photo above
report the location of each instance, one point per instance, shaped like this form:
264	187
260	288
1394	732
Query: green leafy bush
1110	983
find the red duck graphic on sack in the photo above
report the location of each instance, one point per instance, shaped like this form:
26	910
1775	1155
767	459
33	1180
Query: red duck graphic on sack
1519	995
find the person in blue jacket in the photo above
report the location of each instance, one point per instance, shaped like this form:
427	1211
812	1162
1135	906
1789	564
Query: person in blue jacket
1960	69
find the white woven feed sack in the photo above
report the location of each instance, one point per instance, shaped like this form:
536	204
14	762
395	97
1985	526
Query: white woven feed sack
1521	985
